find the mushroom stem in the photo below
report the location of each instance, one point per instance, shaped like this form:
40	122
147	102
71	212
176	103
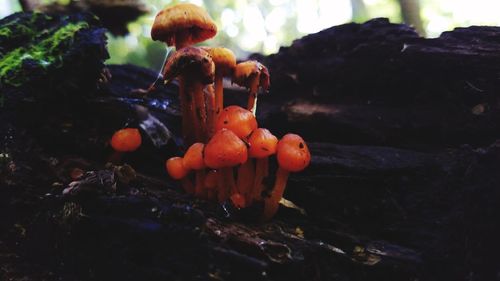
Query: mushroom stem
252	96
115	157
271	203
219	95
261	171
187	185
211	111
186	111
199	190
227	185
194	89
246	179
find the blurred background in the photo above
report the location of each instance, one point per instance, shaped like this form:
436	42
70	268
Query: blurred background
248	26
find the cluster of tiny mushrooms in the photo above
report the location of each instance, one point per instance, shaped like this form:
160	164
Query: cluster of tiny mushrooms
219	140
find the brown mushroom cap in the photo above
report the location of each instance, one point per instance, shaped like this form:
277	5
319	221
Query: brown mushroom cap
174	20
190	61
224	59
246	71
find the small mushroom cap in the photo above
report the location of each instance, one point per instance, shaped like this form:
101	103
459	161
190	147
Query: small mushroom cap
245	72
292	153
175	168
224	59
224	150
237	119
262	143
126	140
193	158
185	17
191	62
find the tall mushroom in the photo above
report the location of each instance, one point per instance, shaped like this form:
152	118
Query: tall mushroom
224	151
262	145
241	122
252	75
181	25
293	156
225	62
195	69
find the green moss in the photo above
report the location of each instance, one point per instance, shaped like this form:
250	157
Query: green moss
45	53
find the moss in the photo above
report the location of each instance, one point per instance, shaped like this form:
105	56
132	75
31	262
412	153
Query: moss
45	53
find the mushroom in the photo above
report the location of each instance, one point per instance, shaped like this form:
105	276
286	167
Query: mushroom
124	140
224	151
195	69
180	25
177	171
183	25
193	160
252	75
262	145
293	156
225	62
237	119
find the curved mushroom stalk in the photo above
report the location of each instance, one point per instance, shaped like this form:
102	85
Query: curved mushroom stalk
293	156
195	69
252	75
193	160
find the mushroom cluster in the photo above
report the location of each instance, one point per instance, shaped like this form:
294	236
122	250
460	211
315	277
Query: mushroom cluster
227	155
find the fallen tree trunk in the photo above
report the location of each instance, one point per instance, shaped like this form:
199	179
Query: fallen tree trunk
420	207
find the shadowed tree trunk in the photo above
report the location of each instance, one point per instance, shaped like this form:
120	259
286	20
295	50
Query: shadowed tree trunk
410	10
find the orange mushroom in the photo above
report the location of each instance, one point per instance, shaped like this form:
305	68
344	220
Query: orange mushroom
180	25
293	156
183	25
225	62
237	119
124	140
177	171
262	145
224	151
195	69
252	75
193	160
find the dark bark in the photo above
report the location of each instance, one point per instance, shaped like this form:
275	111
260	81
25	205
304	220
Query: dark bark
367	212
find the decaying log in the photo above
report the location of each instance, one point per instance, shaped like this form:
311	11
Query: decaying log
421	207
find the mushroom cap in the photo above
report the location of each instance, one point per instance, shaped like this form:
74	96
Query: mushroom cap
224	59
192	63
224	150
292	153
175	168
262	143
237	119
126	140
193	158
245	72
184	17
